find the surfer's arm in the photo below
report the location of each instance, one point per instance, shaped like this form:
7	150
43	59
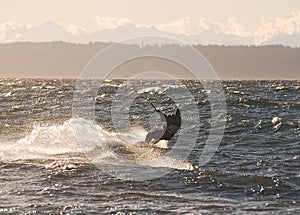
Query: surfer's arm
162	115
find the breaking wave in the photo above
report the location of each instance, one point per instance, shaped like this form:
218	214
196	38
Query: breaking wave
85	141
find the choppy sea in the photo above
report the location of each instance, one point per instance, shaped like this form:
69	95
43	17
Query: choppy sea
54	160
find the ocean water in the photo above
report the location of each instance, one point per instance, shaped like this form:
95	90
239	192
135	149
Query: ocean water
55	159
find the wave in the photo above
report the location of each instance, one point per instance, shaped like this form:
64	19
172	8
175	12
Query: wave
87	141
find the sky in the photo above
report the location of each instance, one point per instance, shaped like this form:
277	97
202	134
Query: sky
221	22
258	19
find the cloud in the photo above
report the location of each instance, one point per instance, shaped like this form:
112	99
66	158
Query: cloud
231	27
234	27
211	24
266	28
279	25
183	25
5	28
74	29
110	22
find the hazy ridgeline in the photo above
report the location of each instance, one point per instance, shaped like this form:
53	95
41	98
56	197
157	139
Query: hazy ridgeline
66	60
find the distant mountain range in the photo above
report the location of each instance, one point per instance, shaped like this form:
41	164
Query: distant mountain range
284	39
50	31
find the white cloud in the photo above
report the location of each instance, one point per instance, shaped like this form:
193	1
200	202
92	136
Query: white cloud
5	28
8	26
234	27
74	29
186	26
231	27
183	25
272	27
110	22
211	24
265	29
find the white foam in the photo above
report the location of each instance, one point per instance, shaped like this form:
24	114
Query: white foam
162	144
149	89
41	142
77	136
276	120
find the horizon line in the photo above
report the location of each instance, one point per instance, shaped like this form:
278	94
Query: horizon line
151	45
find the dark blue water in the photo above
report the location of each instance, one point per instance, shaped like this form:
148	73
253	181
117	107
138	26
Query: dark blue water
44	170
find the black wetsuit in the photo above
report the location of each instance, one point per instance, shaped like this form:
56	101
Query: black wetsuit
173	123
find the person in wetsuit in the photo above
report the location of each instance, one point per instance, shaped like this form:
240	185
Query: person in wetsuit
173	123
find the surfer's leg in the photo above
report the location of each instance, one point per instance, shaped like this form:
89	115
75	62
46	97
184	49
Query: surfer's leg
154	136
170	132
167	136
